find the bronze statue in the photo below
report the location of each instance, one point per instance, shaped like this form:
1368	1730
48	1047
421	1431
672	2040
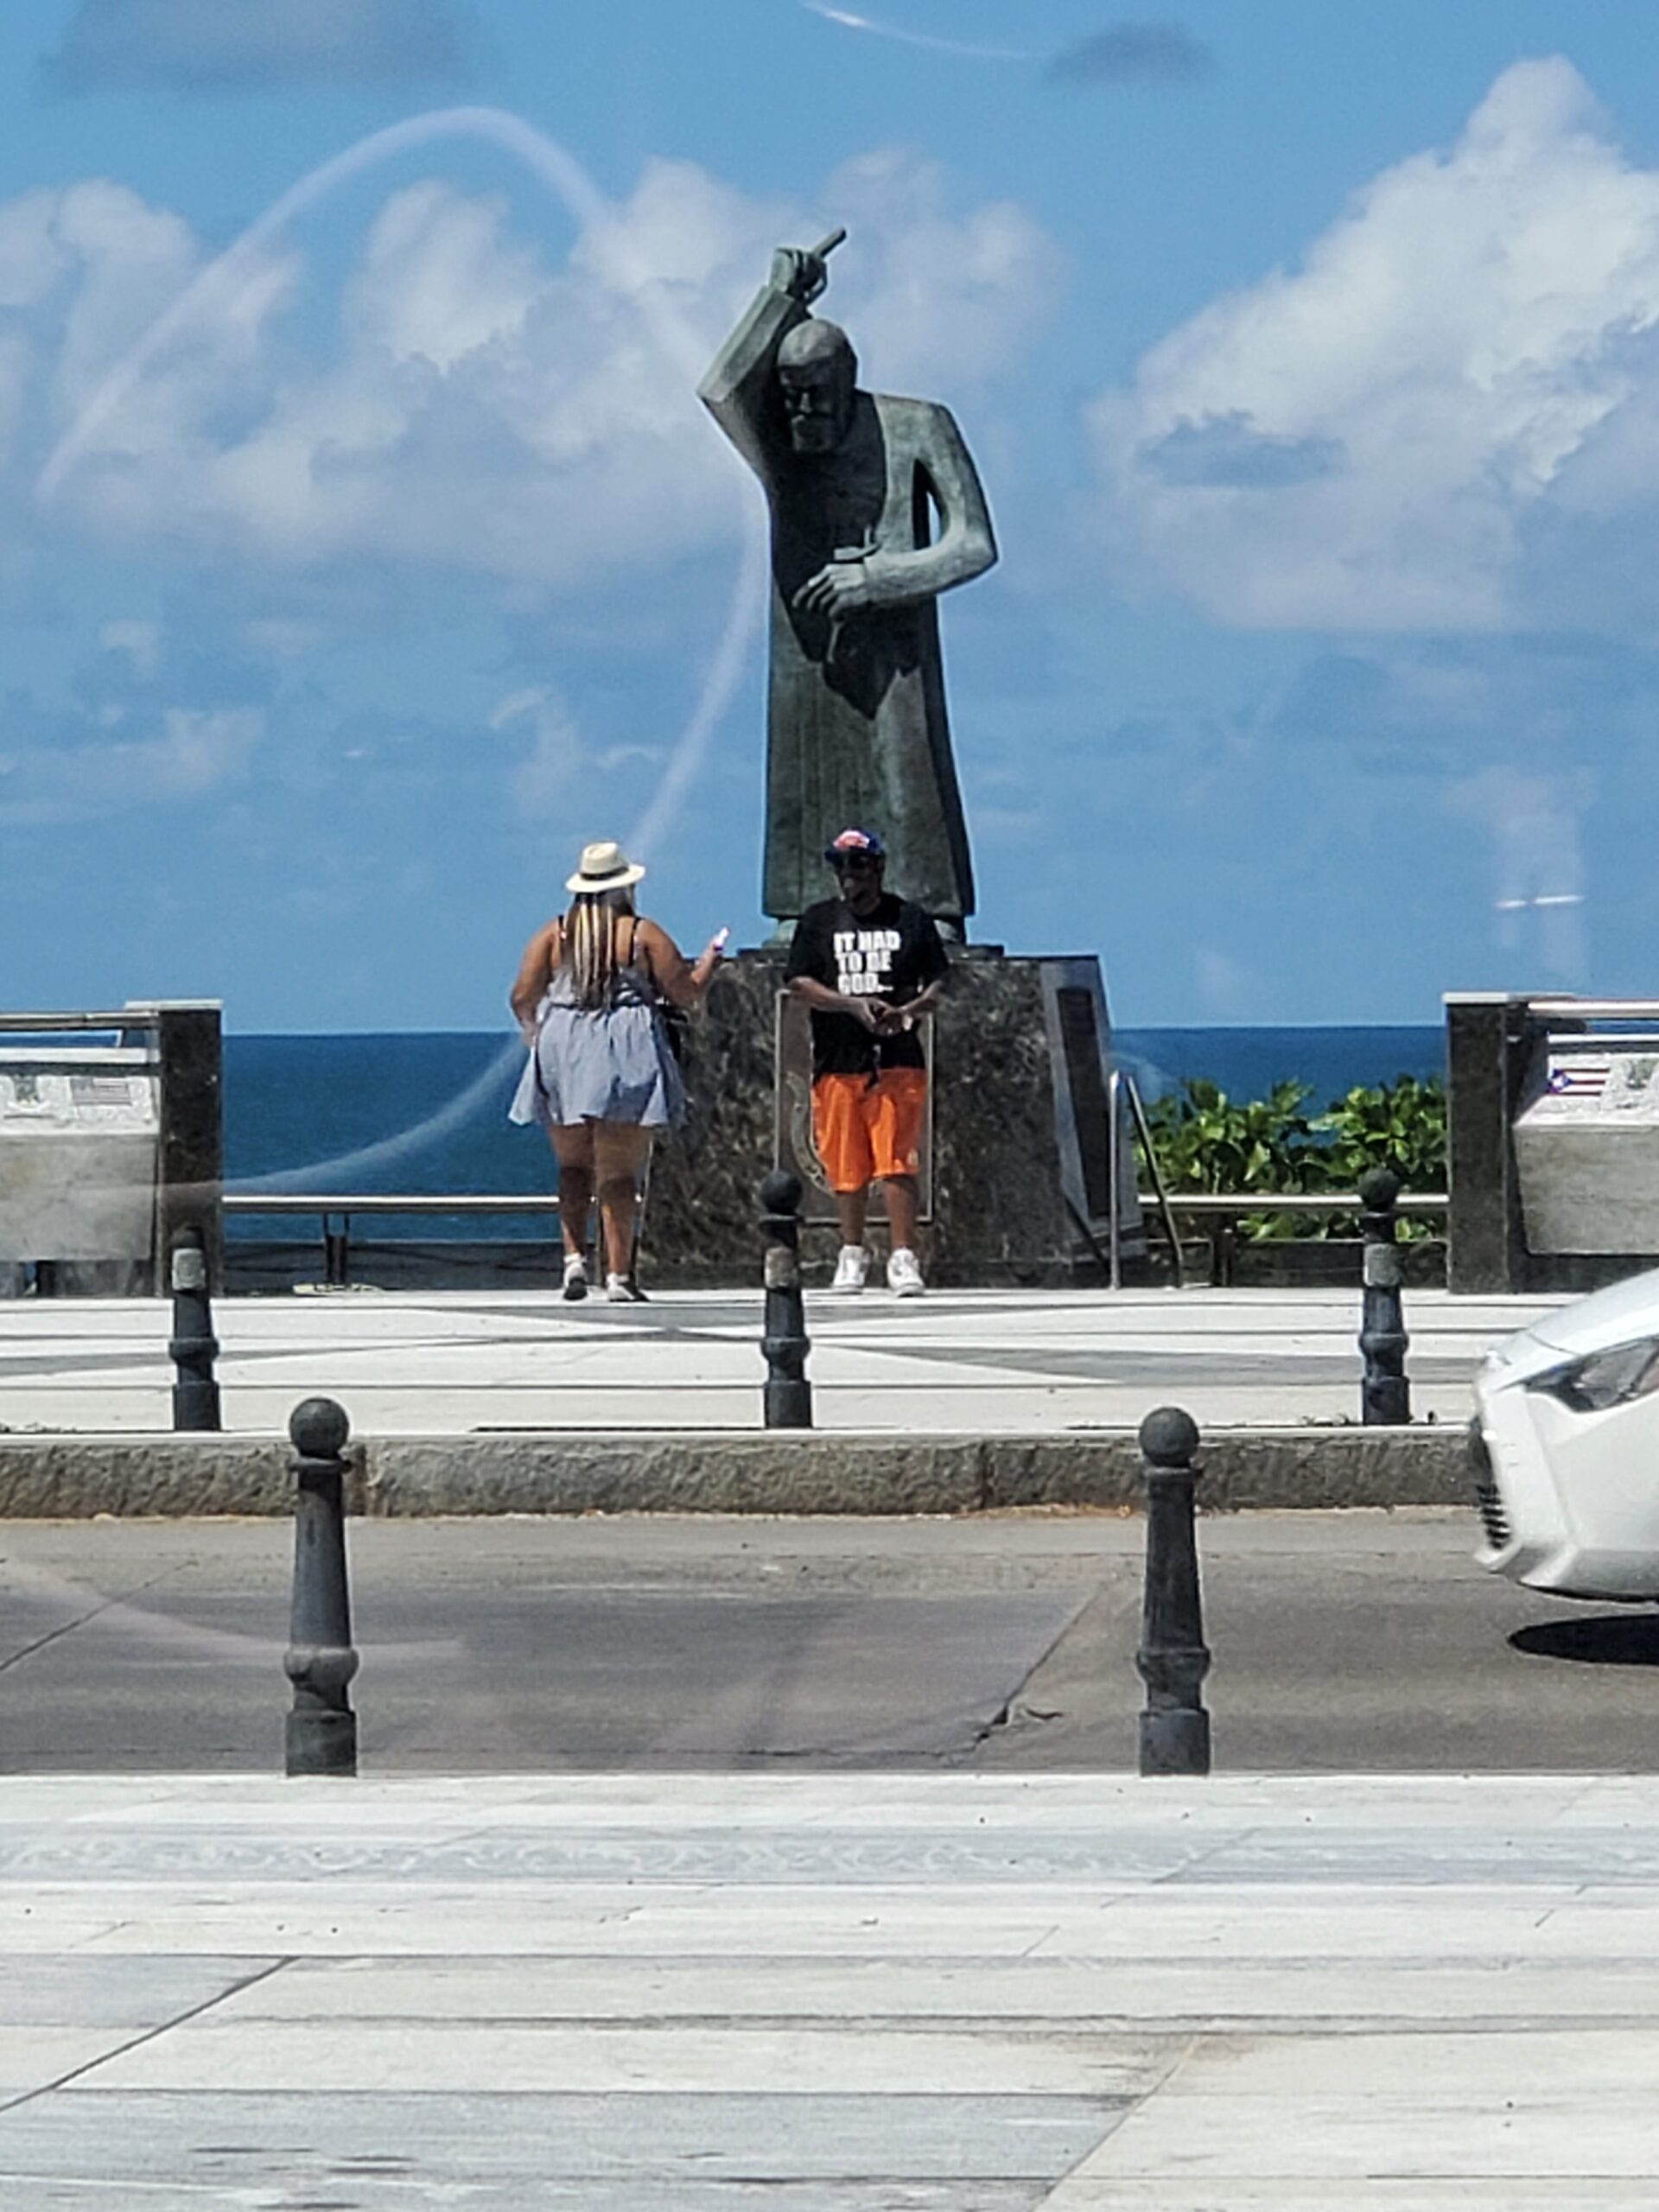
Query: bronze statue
856	482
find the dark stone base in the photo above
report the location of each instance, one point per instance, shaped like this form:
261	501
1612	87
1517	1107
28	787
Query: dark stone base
1573	1274
253	1266
1006	1144
1291	1263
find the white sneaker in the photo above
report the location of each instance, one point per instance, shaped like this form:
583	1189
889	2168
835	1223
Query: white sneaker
904	1274
852	1267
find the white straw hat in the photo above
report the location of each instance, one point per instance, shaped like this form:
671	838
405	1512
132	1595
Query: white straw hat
604	867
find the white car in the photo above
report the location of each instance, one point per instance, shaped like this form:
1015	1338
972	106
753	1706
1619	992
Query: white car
1566	1445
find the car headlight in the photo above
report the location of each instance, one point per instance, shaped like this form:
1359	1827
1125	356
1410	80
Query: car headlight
1602	1379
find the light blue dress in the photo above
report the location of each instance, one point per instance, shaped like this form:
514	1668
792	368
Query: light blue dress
612	1064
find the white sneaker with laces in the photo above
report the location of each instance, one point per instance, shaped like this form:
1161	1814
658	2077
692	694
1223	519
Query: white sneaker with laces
904	1273
851	1268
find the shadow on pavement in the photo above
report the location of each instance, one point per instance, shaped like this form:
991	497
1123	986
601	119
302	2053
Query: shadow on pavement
1604	1640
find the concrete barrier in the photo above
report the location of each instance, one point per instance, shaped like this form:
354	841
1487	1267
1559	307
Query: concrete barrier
805	1472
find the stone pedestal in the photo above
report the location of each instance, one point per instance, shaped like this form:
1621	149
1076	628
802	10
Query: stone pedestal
1021	1174
1552	1141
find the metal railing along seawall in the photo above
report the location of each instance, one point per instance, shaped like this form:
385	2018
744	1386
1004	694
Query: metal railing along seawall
1220	1210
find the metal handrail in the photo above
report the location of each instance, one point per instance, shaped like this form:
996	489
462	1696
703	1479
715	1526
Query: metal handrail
1238	1202
1190	1202
143	1014
1594	1009
252	1202
1598	1040
1150	1153
80	1056
1113	1183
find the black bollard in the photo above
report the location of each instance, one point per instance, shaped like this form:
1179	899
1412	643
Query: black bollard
192	1347
1172	1658
788	1392
321	1661
1385	1394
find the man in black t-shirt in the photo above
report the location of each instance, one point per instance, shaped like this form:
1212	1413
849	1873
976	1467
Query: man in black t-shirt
869	965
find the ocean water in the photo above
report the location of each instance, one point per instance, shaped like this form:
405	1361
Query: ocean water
1246	1063
408	1112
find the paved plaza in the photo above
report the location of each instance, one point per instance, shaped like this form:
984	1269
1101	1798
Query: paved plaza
963	1362
870	1993
913	1985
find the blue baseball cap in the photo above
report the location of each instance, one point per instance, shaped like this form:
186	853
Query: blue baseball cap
854	841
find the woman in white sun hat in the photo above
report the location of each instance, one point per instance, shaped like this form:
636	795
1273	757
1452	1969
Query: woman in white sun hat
601	1075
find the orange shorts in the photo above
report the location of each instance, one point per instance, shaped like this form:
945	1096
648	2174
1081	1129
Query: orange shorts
866	1131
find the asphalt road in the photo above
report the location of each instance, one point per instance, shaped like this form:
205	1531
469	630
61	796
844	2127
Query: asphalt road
1342	1641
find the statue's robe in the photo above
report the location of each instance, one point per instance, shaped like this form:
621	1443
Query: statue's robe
857	733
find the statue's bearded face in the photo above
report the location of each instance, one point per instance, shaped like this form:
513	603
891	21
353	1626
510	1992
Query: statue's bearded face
817	400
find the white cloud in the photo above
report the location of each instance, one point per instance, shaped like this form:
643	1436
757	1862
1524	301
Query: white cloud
196	751
199	749
436	281
83	272
29	259
937	304
484	408
140	641
123	260
14	385
541	779
1403	433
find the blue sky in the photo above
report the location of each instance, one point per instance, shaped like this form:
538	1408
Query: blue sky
364	550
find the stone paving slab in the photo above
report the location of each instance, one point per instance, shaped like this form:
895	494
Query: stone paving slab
1354	2193
513	2153
870	1993
1003	1362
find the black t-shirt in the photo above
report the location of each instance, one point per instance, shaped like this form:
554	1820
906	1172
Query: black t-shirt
891	954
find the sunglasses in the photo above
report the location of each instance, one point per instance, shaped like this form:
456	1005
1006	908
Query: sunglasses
855	863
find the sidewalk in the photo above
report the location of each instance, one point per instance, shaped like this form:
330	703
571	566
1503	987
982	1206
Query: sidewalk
942	1993
963	1362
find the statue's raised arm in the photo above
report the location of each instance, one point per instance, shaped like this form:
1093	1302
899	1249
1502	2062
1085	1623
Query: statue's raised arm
740	389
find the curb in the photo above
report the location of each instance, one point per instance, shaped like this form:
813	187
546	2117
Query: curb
59	1478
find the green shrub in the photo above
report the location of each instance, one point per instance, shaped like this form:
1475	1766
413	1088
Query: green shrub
1399	1125
1206	1141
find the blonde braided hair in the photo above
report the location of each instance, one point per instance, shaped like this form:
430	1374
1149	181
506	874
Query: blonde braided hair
590	944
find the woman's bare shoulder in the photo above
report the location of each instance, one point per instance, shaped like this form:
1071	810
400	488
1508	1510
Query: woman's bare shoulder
655	936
